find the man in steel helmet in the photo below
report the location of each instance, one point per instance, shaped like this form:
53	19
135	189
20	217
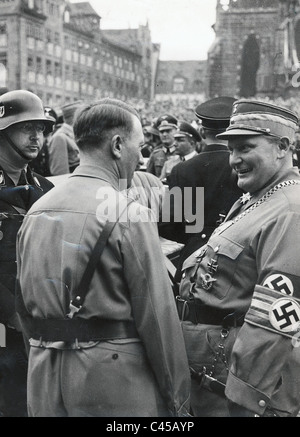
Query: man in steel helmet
22	124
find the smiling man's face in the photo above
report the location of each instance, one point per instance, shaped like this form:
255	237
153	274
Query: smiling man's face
255	159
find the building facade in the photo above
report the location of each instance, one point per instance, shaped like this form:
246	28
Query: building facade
256	50
180	78
57	50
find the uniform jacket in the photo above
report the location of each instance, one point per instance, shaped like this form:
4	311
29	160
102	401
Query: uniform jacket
210	170
15	201
129	283
158	158
247	267
63	151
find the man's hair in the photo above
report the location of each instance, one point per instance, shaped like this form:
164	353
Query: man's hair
97	121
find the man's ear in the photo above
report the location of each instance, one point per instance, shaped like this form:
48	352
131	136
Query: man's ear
116	146
284	144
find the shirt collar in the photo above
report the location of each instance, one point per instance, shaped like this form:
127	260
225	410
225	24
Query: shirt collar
170	149
190	155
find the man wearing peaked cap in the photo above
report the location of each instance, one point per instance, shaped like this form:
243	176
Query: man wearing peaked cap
22	127
152	140
251	118
215	113
166	121
63	150
210	169
186	141
245	295
167	126
187	130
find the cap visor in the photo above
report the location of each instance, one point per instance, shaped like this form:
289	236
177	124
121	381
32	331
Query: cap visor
238	132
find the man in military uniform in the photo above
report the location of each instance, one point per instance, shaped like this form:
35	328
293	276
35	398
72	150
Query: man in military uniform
62	148
22	123
167	126
187	139
152	140
240	294
117	350
210	169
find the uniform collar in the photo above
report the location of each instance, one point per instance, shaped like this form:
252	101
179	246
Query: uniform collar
97	172
238	207
190	155
12	171
169	150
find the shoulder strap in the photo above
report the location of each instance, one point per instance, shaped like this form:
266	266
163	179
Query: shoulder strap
83	287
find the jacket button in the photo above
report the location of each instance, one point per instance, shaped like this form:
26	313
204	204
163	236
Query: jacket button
262	403
203	236
115	356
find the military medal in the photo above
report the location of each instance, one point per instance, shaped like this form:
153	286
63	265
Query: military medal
245	198
207	281
212	266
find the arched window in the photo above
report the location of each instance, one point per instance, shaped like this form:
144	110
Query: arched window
249	67
67	16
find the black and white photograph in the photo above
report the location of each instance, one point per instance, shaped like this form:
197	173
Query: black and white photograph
149	211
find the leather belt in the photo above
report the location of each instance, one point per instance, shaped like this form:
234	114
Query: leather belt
196	312
79	329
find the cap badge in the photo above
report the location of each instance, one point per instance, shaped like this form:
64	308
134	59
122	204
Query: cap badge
2	111
235	107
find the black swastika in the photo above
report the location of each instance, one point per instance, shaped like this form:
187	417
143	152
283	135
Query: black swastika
279	284
286	315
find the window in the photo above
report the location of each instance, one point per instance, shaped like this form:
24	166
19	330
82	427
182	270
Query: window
67	16
30	42
3	35
178	85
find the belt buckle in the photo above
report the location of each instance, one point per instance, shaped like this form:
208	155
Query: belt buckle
74	307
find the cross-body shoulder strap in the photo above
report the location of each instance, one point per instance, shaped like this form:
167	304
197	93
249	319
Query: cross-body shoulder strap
83	287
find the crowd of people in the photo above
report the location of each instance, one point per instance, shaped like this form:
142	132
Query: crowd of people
98	323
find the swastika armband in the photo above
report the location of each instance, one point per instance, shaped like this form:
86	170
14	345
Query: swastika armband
274	312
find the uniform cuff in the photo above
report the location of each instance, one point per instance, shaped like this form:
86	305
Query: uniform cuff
245	395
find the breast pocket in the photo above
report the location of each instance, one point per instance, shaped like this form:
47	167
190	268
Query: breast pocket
224	255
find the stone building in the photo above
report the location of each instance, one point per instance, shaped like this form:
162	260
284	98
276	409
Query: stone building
180	78
58	50
256	50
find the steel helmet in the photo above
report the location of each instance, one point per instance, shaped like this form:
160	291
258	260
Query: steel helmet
21	105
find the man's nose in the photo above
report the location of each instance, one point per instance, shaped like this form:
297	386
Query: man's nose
234	158
141	158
